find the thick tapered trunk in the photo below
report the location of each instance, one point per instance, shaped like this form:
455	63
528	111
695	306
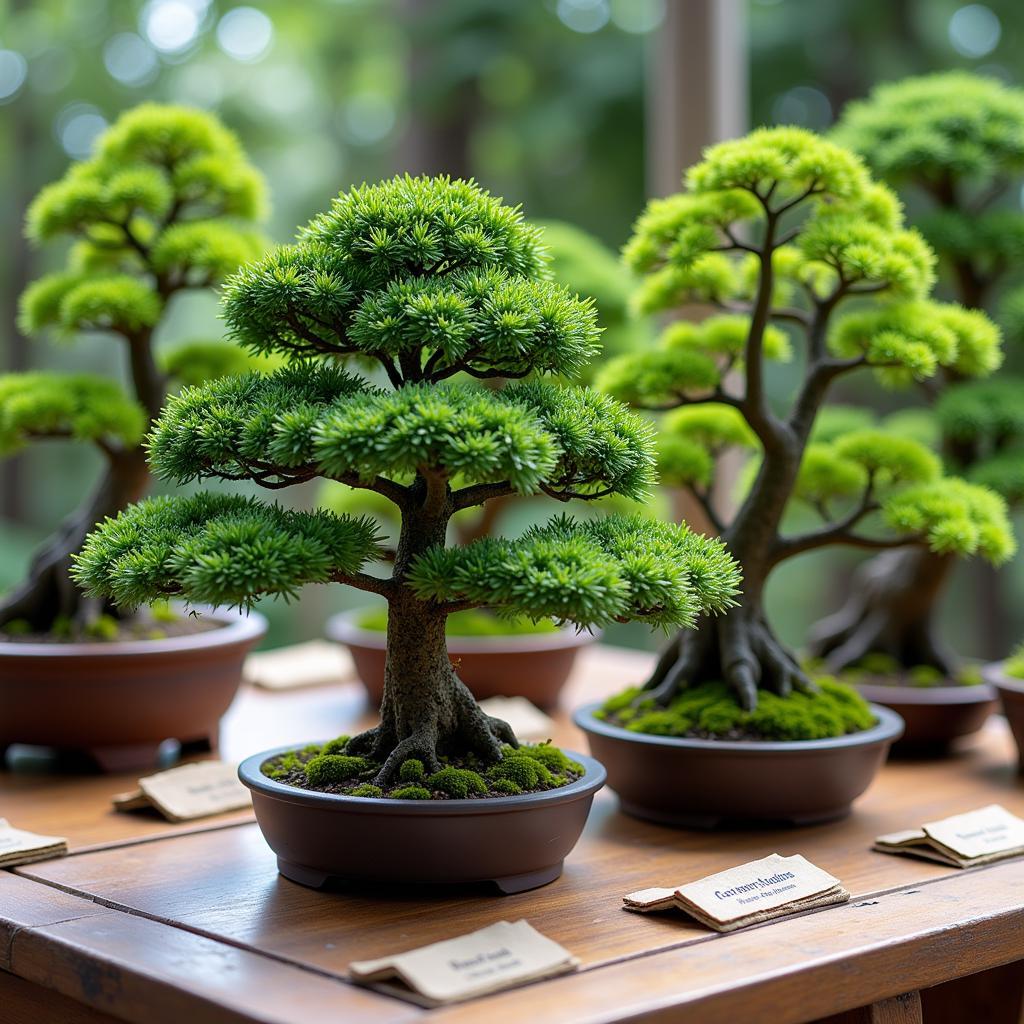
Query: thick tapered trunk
427	711
48	592
890	610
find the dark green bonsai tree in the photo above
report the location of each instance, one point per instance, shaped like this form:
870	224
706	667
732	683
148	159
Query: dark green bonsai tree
954	142
787	235
438	286
164	206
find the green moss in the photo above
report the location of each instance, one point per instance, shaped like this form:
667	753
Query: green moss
711	710
505	787
880	664
325	769
412	770
161	611
367	790
18	627
335	746
1014	664
458	783
969	675
410	793
523	770
555	760
471	622
926	675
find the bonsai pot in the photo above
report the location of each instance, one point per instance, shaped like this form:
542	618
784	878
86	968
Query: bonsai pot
933	716
530	665
1011	695
118	701
698	783
516	842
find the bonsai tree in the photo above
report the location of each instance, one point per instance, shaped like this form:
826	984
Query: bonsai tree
787	235
162	207
955	143
439	286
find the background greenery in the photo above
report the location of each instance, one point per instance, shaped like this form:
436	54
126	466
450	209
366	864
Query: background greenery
542	101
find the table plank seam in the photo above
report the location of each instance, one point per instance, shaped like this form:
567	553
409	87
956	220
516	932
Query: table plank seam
120	844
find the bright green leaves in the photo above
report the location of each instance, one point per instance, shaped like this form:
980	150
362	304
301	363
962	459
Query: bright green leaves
77	406
218	549
192	362
949	123
429	276
692	439
953	517
987	413
591	573
204	252
79	302
911	341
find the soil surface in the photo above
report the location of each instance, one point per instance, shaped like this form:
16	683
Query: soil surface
140	627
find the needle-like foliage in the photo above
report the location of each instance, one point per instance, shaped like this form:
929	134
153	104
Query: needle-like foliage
165	204
789	237
388	310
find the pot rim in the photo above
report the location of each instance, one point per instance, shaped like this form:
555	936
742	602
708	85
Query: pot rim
977	693
888	727
995	673
342	628
250	775
237	626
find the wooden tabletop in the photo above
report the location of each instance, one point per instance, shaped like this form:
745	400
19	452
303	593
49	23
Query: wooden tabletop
147	923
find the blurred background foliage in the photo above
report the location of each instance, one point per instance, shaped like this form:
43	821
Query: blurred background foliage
542	101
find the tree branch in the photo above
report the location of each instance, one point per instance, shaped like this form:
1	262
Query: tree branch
363	581
477	494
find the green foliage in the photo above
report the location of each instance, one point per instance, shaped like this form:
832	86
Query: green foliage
367	789
1014	664
335	746
711	710
412	770
458	783
330	769
78	406
988	413
469	622
410	793
218	549
524	771
192	362
589	572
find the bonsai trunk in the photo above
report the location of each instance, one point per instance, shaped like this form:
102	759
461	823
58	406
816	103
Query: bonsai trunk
739	646
427	711
890	611
48	592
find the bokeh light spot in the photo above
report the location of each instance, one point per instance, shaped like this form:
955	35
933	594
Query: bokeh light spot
13	69
170	25
245	33
583	15
77	127
974	30
130	59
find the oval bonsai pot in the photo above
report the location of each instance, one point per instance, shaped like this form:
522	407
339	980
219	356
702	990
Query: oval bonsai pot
516	842
933	716
530	665
1011	696
698	783
118	701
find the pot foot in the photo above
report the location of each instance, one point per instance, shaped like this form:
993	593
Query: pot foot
699	822
511	884
207	744
310	877
128	757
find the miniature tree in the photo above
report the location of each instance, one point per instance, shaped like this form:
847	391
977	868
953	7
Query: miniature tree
429	280
782	227
956	142
159	209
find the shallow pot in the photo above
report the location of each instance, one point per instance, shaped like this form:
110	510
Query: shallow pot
534	666
699	783
516	842
1011	696
119	701
933	716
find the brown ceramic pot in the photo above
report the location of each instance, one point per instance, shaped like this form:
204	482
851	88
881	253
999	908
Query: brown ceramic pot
534	666
516	842
700	783
1011	695
933	716
119	701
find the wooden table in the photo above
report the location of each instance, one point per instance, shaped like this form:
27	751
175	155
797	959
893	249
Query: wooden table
155	923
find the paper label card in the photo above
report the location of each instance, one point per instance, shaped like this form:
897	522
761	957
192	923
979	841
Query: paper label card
964	840
316	663
528	722
20	847
189	791
501	956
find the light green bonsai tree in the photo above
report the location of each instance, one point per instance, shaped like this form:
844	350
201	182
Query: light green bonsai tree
164	206
955	142
439	286
787	235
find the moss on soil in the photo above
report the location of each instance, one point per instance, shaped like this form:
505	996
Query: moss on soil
158	622
470	622
328	769
883	670
710	711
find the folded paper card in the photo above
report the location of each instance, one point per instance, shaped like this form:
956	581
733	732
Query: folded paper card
502	956
962	841
20	847
317	663
750	894
528	721
189	791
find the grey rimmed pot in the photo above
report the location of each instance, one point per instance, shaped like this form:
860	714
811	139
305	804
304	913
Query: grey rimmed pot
531	665
516	842
1011	696
118	701
933	716
697	783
